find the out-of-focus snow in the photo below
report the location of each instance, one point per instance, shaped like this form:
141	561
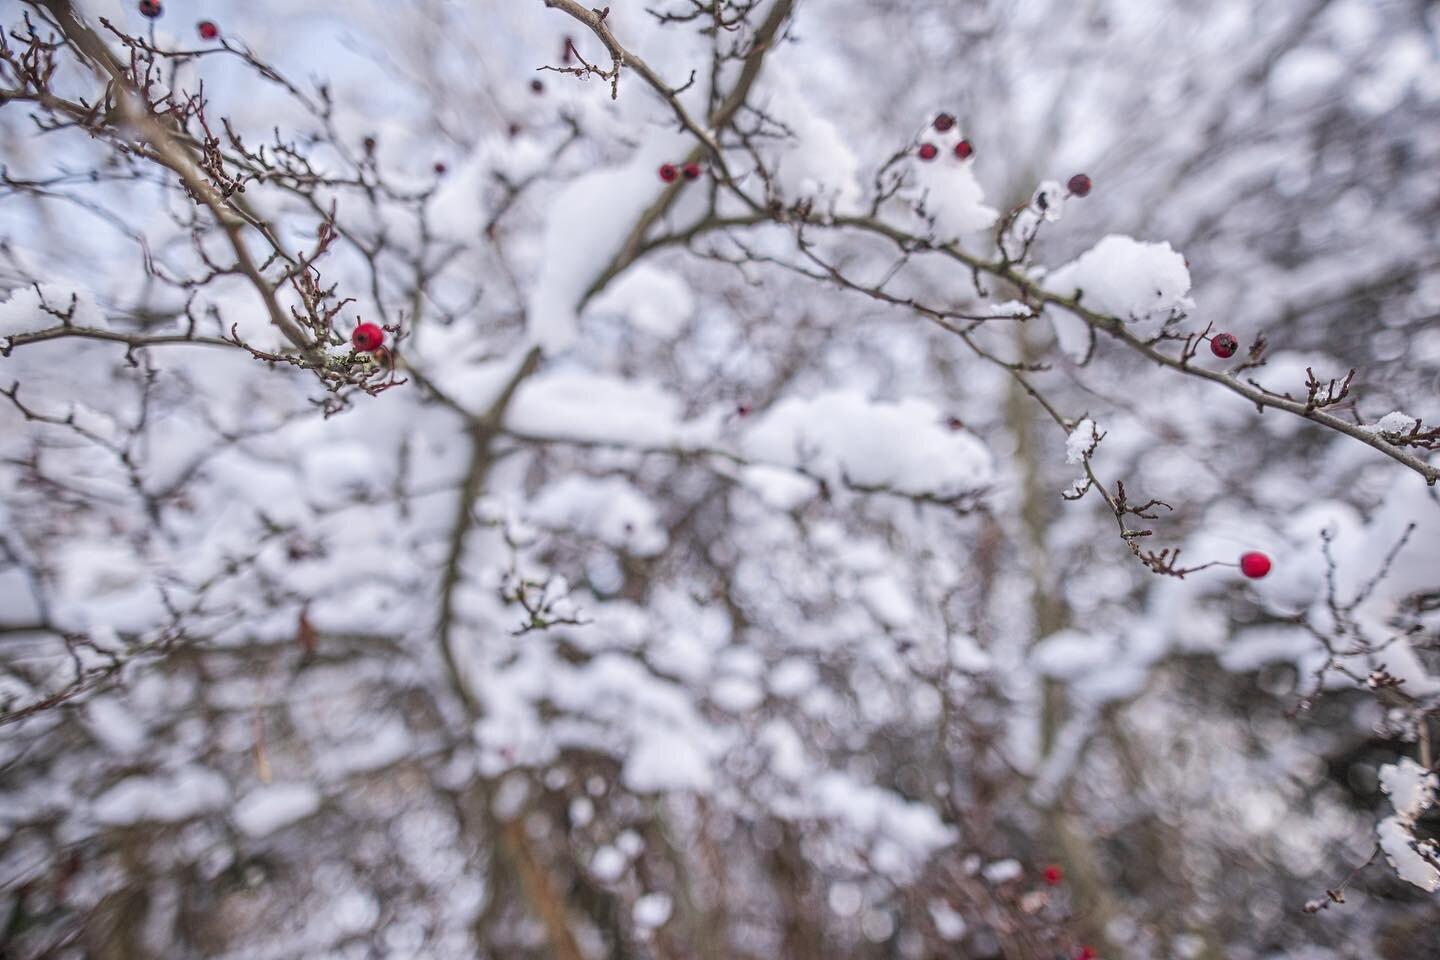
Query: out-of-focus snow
652	910
589	218
815	162
165	798
607	508
849	440
267	808
653	299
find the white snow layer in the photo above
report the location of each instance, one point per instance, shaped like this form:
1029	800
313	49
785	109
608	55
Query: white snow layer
946	190
1402	848
1144	284
1411	789
1082	441
1394	422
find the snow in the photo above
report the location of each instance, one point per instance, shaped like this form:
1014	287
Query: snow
815	161
666	760
1071	653
608	864
21	312
736	694
904	834
272	806
609	509
886	598
113	723
1002	871
588	219
850	440
1399	842
1394	422
1410	787
1143	284
946	190
654	300
166	798
948	923
792	677
652	910
1082	441
592	407
1306	70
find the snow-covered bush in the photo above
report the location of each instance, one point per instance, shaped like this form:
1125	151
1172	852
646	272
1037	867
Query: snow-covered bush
526	480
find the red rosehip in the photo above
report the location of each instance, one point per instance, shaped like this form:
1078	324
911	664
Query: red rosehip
928	151
536	86
944	122
150	8
691	171
668	173
208	30
964	149
440	169
1254	564
1079	185
1224	345
1053	875
367	337
1087	953
955	423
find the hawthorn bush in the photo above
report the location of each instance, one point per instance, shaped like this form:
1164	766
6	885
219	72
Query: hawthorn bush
719	479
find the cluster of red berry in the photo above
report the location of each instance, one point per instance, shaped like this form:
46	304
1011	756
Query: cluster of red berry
964	150
1079	184
669	172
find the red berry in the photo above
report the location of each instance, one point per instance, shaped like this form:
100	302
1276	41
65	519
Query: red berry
208	30
928	151
1224	345
944	122
668	173
536	86
1087	953
1254	564
691	171
1053	875
742	410
955	423
150	8
367	337
964	149
440	169
1079	185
